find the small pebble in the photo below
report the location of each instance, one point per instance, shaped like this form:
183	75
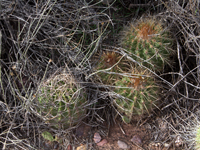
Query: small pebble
154	144
55	145
104	141
157	144
82	147
122	144
136	139
46	146
166	145
80	131
178	141
69	147
97	137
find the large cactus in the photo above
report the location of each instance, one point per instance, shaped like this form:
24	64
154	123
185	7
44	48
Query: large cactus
60	101
139	94
150	41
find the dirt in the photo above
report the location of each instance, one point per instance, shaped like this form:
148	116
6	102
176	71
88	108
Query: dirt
125	133
135	137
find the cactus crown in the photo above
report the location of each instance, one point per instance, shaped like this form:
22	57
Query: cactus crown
146	30
59	100
137	80
149	42
108	59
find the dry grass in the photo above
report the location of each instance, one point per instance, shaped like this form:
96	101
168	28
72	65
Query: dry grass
182	95
38	38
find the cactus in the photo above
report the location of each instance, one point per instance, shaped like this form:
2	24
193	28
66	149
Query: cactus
60	101
148	40
139	94
110	60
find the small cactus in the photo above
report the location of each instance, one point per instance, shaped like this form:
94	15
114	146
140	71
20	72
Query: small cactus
148	40
60	101
110	60
139	94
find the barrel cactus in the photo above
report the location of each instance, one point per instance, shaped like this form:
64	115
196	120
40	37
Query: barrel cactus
137	94
149	43
61	100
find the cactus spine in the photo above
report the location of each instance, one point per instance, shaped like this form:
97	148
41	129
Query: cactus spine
60	101
139	92
148	40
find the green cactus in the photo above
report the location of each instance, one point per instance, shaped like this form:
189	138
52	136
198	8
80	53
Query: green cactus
148	40
110	60
60	101
139	92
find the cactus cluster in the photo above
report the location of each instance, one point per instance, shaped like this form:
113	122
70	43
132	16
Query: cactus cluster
137	87
139	94
149	42
60	101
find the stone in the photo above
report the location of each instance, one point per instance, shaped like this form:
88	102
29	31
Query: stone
136	139
82	147
122	145
104	141
97	137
